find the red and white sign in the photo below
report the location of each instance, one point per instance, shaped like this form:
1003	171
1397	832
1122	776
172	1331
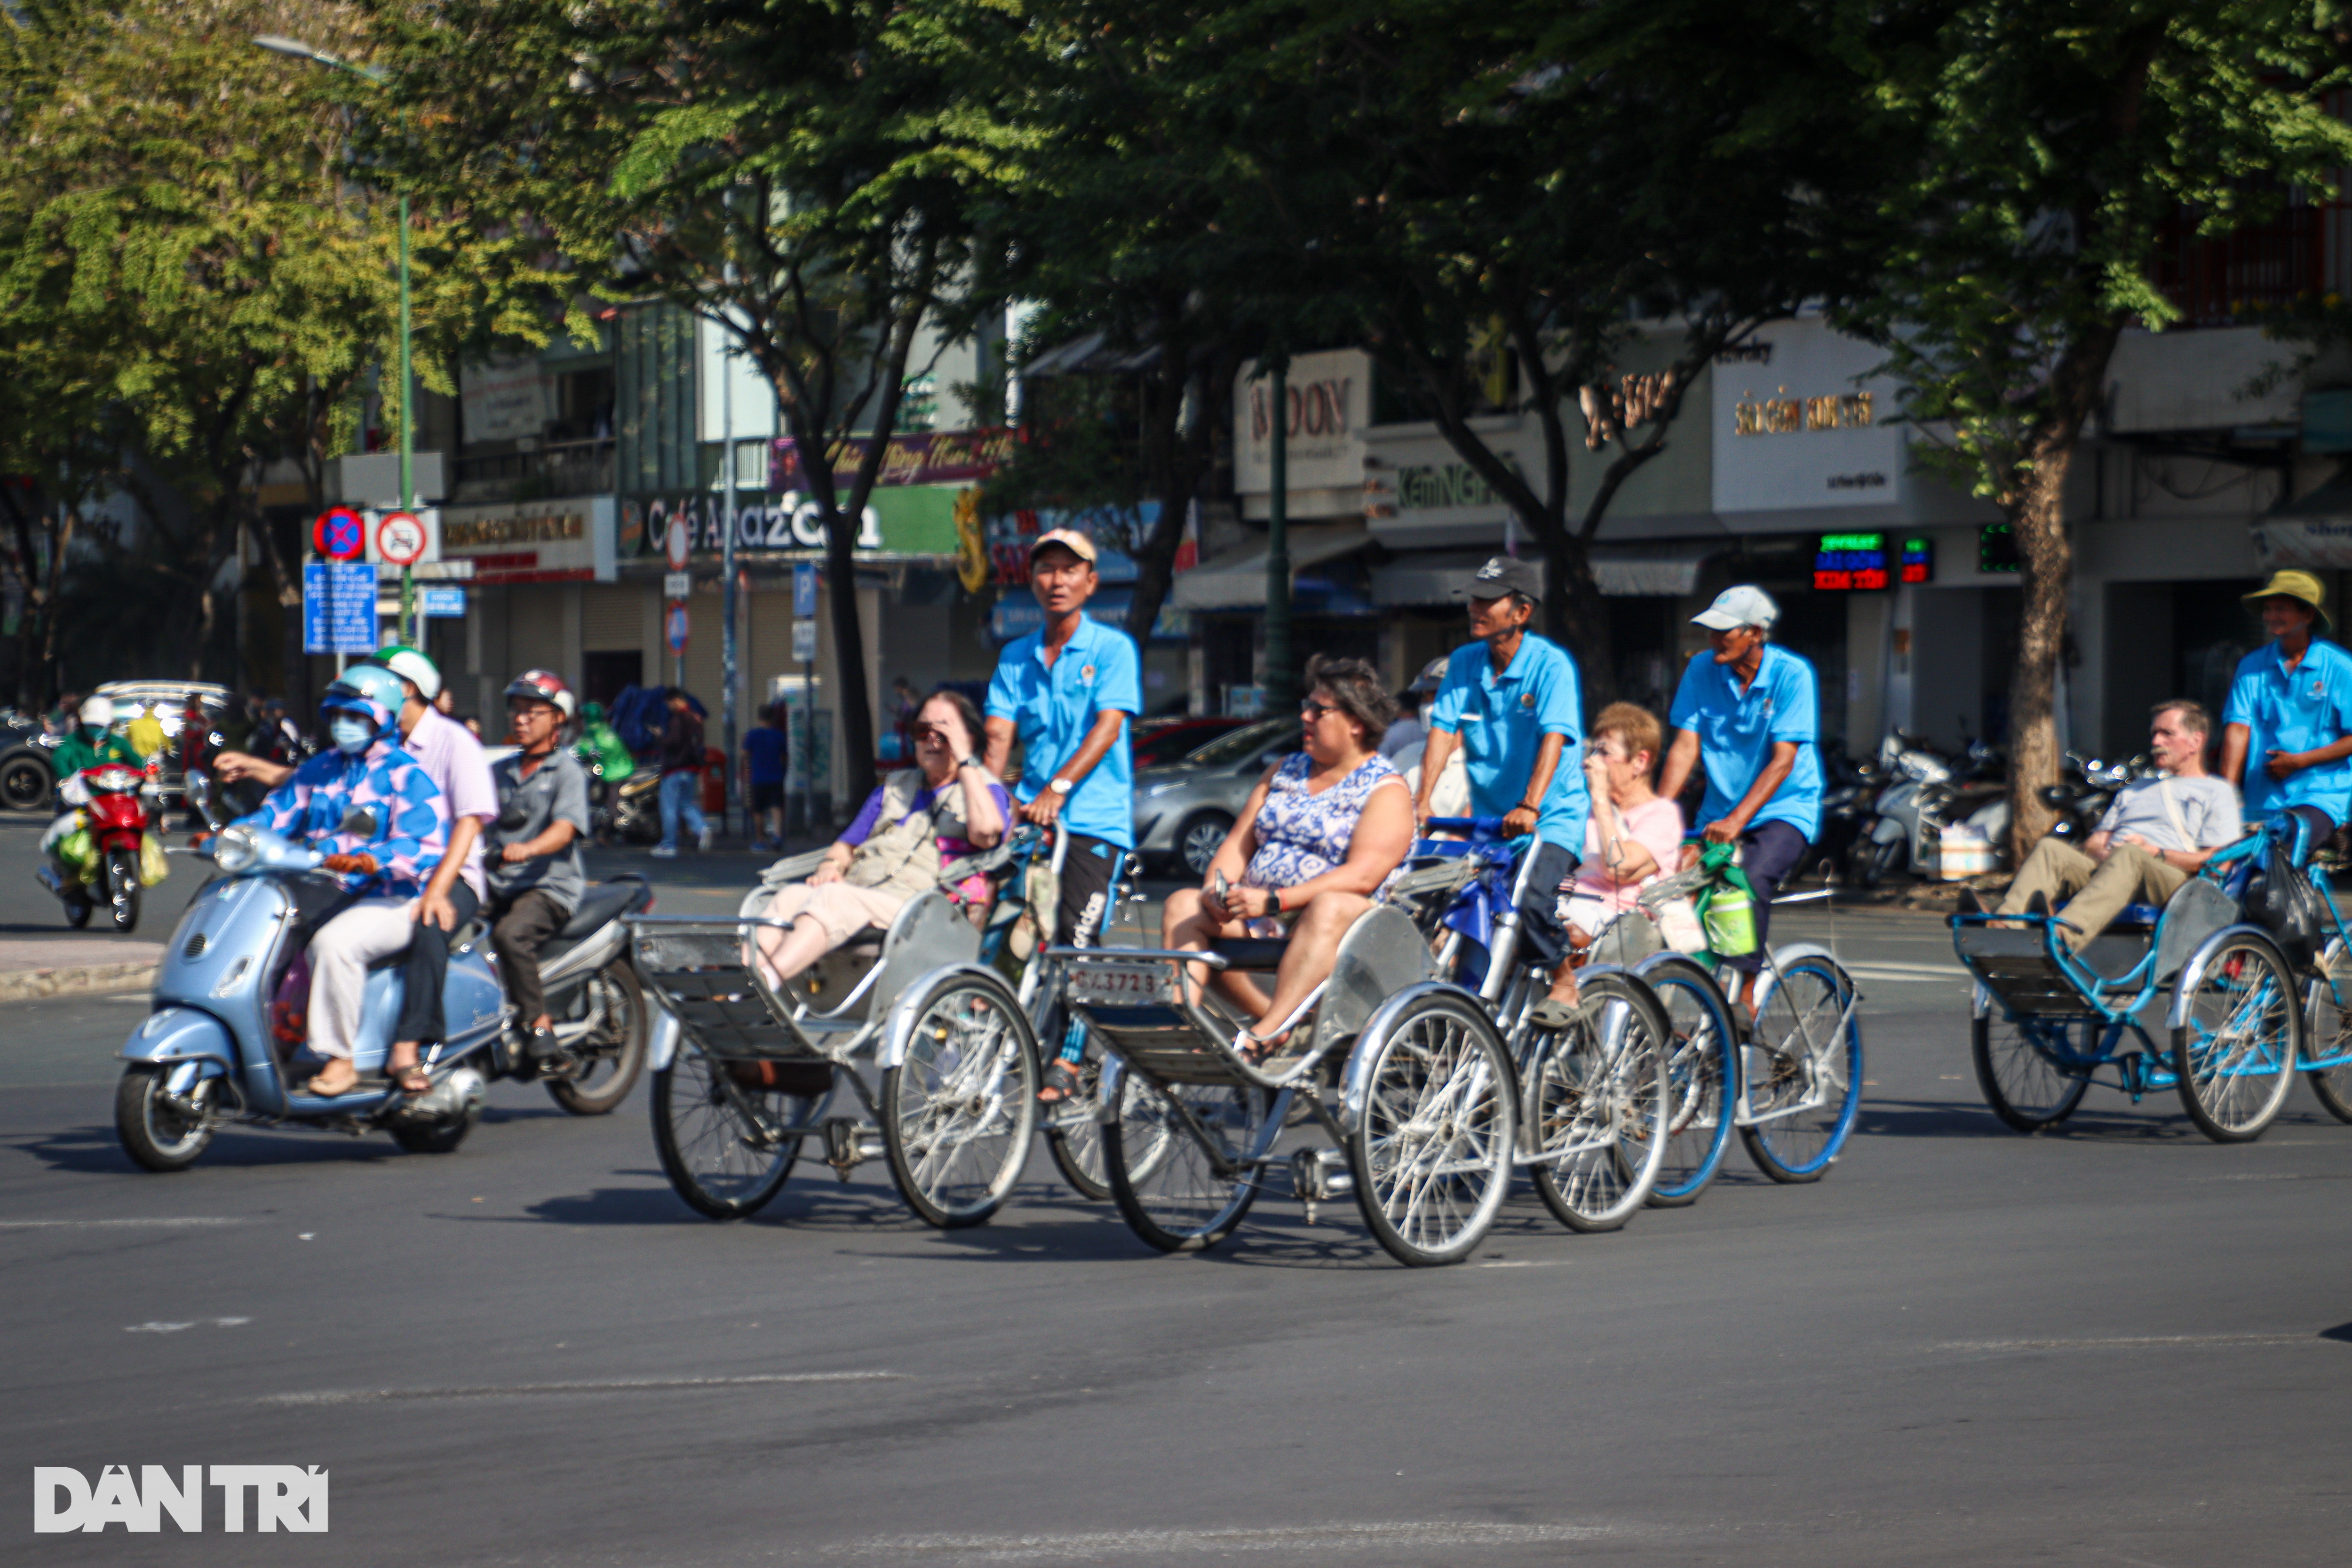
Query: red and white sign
340	533
401	538
675	540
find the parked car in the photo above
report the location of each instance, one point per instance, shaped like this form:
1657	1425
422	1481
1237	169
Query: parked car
1184	809
1159	742
27	774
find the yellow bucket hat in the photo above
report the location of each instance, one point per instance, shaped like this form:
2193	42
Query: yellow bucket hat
2292	584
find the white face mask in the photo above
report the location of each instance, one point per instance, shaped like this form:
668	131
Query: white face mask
351	734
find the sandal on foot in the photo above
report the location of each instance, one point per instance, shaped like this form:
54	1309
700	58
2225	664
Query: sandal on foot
1551	1015
311	1087
1064	1083
412	1079
1255	1051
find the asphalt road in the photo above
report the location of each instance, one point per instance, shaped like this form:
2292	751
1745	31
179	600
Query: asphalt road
2119	1345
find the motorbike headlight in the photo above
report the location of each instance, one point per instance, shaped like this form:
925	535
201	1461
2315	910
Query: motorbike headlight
236	850
117	778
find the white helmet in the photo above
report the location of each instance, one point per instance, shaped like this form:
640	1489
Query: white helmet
97	710
414	667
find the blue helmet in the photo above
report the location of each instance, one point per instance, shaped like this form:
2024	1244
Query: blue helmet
368	688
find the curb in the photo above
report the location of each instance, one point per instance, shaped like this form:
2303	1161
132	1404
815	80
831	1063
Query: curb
73	980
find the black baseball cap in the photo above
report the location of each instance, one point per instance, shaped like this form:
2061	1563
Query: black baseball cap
1503	575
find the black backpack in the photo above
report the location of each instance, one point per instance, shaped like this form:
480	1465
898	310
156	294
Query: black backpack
2281	900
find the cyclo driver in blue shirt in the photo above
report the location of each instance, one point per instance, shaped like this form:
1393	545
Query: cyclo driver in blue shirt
1749	714
1513	703
1067	691
2286	736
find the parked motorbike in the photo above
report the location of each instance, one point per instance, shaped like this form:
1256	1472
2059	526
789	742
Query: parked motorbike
1926	791
2088	789
214	1050
1850	789
103	853
629	811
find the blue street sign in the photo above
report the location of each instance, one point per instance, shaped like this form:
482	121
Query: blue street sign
803	589
677	628
445	603
339	606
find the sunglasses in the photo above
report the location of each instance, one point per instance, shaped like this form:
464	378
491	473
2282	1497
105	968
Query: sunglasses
1314	710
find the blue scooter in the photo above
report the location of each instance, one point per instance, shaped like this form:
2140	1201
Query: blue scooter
204	1057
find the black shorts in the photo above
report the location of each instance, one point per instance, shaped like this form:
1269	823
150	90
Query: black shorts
1542	933
768	795
1085	890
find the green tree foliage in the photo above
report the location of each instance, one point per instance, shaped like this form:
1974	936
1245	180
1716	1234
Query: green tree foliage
195	269
802	174
2058	135
1493	197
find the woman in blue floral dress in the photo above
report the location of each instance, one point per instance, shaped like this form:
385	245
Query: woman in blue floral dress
1320	834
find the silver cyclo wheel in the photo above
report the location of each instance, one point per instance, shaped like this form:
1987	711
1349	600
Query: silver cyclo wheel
2235	1053
1804	1076
2023	1069
715	1128
1601	1102
959	1112
1432	1141
2327	1031
1162	1176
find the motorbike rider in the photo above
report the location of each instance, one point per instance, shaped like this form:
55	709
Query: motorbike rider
1750	714
535	875
90	743
2290	713
448	751
383	825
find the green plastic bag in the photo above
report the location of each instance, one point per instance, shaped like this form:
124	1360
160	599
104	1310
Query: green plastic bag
154	864
600	742
78	850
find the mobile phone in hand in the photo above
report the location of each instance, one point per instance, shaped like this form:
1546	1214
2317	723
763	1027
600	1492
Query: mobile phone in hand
1219	889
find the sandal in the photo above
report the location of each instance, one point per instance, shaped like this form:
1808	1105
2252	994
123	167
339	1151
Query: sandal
311	1087
1255	1051
412	1079
1552	1016
1064	1083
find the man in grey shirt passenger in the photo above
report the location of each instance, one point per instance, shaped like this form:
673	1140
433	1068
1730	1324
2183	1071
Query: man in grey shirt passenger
536	878
2154	837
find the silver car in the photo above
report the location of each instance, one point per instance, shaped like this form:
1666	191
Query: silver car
1184	811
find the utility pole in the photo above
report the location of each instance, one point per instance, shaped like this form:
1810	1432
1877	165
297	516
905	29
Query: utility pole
1280	687
727	674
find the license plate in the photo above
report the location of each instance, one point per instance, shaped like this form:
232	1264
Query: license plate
1094	984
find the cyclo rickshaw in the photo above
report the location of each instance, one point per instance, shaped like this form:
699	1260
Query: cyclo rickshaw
1433	1093
2242	1005
746	1072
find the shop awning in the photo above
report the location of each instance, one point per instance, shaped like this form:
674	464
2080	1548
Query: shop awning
1236	581
2314	530
1622	570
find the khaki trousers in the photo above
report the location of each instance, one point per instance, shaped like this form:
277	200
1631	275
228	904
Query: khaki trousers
2091	893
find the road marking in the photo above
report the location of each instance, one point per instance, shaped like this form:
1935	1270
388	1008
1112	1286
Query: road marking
532	1390
1526	1263
106	1223
2138	1343
1115	1545
175	1328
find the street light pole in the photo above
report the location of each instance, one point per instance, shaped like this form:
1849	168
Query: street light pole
1280	687
411	625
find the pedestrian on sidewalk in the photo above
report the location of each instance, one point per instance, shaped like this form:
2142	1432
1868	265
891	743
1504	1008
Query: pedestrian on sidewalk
766	751
682	762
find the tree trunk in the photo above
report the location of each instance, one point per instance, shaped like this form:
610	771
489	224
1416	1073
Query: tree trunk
2047	583
1576	613
1176	457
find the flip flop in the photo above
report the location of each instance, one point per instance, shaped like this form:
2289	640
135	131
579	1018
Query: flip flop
410	1081
1552	1016
357	1086
1255	1051
1064	1083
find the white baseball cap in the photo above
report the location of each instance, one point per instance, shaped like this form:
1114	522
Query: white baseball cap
1742	606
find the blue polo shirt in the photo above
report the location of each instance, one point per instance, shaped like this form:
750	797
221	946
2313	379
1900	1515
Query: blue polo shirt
1502	720
1737	730
2300	710
1096	672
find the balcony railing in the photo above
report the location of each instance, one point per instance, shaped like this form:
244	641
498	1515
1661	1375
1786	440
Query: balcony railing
2260	270
559	468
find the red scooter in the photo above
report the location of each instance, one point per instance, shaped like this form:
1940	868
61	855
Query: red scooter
116	815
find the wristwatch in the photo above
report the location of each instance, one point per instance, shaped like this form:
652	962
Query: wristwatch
969	763
1061	786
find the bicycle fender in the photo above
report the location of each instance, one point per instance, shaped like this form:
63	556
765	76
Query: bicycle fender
1767	981
1107	1088
909	1007
180	1035
2192	974
661	1044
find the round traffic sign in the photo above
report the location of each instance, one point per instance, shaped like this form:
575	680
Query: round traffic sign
673	539
338	533
677	628
400	539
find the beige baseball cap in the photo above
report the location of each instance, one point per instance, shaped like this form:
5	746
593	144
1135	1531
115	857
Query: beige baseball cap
1069	539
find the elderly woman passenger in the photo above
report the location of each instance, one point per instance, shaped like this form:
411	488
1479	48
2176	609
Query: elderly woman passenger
1319	836
945	807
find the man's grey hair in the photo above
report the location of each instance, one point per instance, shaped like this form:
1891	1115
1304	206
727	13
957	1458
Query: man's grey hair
2193	716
